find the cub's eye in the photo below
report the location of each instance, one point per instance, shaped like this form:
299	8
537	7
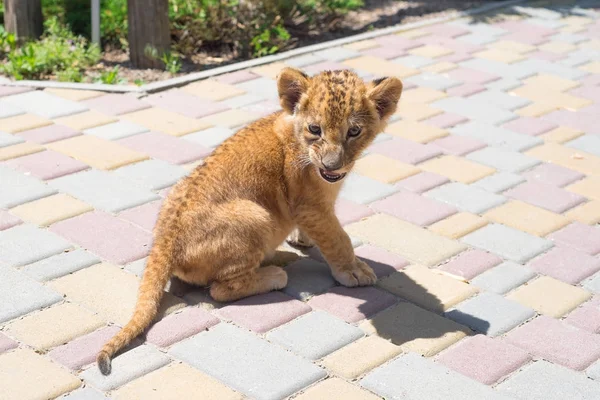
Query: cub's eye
354	131
314	129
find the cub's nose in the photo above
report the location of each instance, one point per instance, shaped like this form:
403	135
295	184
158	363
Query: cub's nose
332	162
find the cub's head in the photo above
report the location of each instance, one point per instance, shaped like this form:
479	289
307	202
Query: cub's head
336	115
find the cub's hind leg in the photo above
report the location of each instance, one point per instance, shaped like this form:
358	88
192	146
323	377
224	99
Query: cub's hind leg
250	282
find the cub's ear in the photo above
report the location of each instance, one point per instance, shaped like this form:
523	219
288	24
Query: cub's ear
385	93
291	84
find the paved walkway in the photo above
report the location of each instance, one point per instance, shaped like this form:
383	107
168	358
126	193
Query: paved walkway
478	208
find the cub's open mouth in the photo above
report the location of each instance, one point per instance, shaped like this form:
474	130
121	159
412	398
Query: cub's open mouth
331	177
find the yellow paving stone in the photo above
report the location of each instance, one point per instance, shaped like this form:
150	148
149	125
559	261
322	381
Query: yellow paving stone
512	46
19	150
175	382
588	187
97	152
74	95
380	67
558	47
213	90
567	157
549	296
336	388
440	67
54	326
421	95
427	288
503	56
527	218
431	51
115	298
587	213
457	168
158	119
415	329
86	120
269	70
360	357
49	210
548	82
413	33
458	225
593	67
191	166
25	375
572	29
537	109
561	134
558	99
593	44
229	118
23	122
362	45
576	20
416	111
384	169
414	243
416	131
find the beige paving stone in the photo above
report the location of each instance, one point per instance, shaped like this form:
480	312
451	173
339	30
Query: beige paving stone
512	46
558	47
360	357
457	168
380	67
229	118
458	225
85	120
421	95
537	109
413	33
362	45
593	44
567	157
431	51
527	218
593	67
46	211
54	326
74	95
23	122
503	56
551	97
97	152
175	382
158	119
19	150
114	299
336	388
548	82
588	187
576	20
587	213
561	134
438	68
269	70
415	329
572	29
213	90
384	169
414	243
427	288
25	375
549	296
416	111
416	131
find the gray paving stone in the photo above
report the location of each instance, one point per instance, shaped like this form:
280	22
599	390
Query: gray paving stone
477	38
537	66
500	99
503	160
588	143
137	267
20	294
503	278
241	101
264	88
307	278
476	111
86	393
7	139
490	313
593	283
247	363
337	54
116	130
433	81
126	367
304	60
60	265
465	197
580	57
498	68
18	188
504	84
414	61
594	371
499	182
44	104
363	190
542	380
411	376
9	110
24	244
211	137
152	174
507	242
315	335
498	137
572	38
103	190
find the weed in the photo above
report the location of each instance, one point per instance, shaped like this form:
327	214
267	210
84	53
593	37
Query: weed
110	77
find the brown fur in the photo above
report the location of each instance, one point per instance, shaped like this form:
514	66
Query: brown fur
229	215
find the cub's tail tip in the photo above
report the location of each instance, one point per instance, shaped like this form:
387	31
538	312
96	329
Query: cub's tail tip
103	361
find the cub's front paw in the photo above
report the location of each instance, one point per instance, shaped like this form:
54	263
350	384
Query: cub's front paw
357	274
299	239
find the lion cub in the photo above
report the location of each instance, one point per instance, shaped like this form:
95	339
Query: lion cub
279	175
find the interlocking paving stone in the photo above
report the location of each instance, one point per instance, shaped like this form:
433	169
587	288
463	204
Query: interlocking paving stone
8	220
9	110
545	196
24	244
211	137
527	218
165	147
86	393
307	278
22	188
499	182
471	263
247	363
44	104
433	81
47	164
422	182
496	136
187	104
362	190
476	111
23	122
588	187
336	387
60	265
6	343
47	134
348	211
580	237
587	213
457	145
503	278
51	209
6	139
465	197
457	169
144	216
152	174
552	174
116	130
458	225
114	104
530	126
586	317
503	160
383	169
85	120
406	150
594	371
383	262
501	99
19	150
413	208
566	264
179	326
166	121
425	379
83	350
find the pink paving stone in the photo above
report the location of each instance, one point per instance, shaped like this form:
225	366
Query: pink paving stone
447	30
557	342
387	52
184	103
397	42
457	57
566	264
452	44
466	90
585	121
588	92
579	236
382	261
353	304
484	359
237	77
165	192
446	120
552	174
530	126
405	150
263	108
591	80
47	134
144	216
179	326
414	208
458	145
525	28
348	211
422	182
165	147
47	164
323	66
7	220
83	350
546	55
6	343
471	263
10	90
469	75
549	197
115	104
586	317
264	312
111	238
533	40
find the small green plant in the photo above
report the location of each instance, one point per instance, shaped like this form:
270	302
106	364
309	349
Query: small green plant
139	82
8	42
172	62
110	77
269	40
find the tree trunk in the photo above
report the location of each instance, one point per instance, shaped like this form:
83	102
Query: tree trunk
149	34
23	18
